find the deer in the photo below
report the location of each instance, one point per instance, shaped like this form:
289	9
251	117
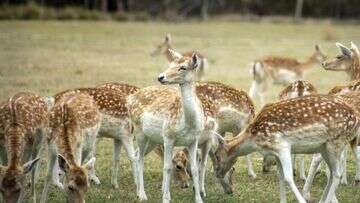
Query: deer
232	109
352	98
74	122
353	86
281	70
172	119
296	89
305	125
110	98
347	61
164	47
23	122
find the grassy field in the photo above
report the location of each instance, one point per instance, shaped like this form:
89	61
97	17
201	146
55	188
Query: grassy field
48	57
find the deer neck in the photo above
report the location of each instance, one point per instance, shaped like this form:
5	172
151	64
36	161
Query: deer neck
241	145
193	116
311	61
15	145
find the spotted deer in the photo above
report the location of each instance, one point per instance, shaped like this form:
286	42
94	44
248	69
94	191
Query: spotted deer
74	123
281	70
173	119
110	99
348	61
165	47
23	122
353	86
311	124
296	89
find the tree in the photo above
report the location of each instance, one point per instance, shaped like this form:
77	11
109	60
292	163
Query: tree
204	9
298	9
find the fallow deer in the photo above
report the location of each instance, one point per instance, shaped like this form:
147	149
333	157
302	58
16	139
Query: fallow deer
23	122
311	124
74	123
165	47
341	89
110	99
173	120
281	70
296	89
348	61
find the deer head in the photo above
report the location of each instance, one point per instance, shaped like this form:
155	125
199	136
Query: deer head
223	161
298	88
76	179
344	60
182	69
180	173
12	180
163	47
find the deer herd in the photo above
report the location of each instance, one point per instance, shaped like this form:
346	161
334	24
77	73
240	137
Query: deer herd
185	120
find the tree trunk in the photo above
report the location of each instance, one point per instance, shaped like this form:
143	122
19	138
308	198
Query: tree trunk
298	9
204	9
104	5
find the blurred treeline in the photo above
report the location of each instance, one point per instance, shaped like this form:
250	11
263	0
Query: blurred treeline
339	9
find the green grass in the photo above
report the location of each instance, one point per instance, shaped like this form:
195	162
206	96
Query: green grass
48	57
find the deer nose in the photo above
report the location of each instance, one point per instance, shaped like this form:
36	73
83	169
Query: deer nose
323	64
161	78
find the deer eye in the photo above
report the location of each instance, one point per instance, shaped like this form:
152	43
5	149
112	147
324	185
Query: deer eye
71	188
178	167
339	57
182	68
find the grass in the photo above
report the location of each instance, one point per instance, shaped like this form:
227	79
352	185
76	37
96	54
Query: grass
50	56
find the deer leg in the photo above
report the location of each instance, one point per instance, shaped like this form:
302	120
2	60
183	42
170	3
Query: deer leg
53	171
131	153
194	170
143	144
115	163
357	176
168	151
250	167
34	154
332	159
284	157
282	186
204	156
301	166
315	162
343	173
267	163
91	149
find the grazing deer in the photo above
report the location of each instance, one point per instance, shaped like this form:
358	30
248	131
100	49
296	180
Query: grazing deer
296	89
165	47
110	99
23	121
172	120
348	61
74	123
352	98
280	70
311	124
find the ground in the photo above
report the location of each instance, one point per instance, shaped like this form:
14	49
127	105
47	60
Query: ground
49	56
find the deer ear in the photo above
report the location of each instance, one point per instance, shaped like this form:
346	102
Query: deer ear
195	60
63	164
28	166
174	55
344	50
90	164
168	38
354	48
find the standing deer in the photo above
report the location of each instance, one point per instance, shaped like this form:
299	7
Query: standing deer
348	61
23	121
74	123
296	89
165	48
110	98
305	125
281	70
172	120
